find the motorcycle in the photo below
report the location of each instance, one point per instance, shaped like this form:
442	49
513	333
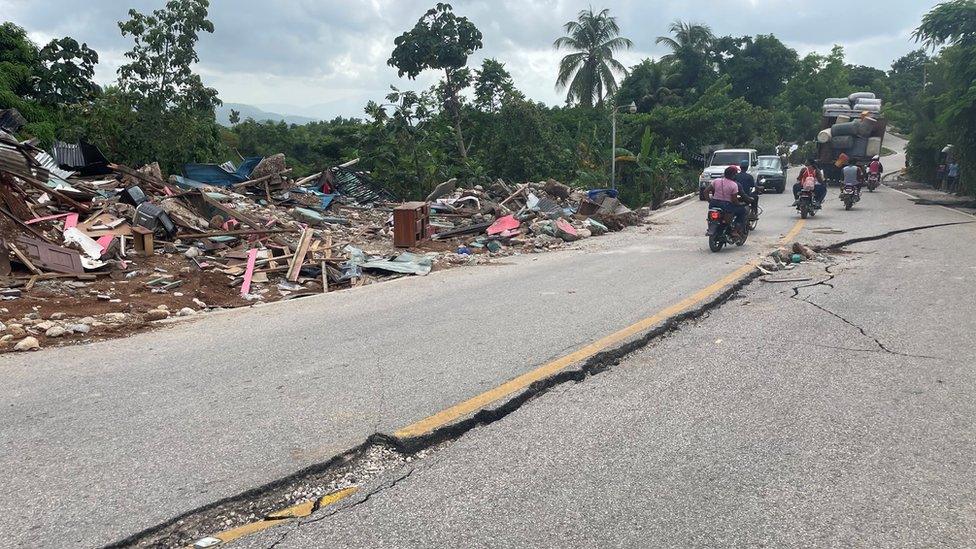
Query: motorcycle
754	210
874	181
805	204
850	196
719	231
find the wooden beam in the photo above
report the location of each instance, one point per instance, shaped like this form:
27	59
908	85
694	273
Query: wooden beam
295	267
23	258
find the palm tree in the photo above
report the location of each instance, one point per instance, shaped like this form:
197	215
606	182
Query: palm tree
588	74
690	48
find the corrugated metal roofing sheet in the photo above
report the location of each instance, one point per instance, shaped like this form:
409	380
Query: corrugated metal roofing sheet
68	154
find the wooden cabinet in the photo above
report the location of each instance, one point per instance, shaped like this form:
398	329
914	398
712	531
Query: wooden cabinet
411	224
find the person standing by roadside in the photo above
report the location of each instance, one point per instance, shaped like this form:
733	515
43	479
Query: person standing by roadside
952	175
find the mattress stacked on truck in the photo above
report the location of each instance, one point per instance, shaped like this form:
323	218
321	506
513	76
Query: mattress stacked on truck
852	106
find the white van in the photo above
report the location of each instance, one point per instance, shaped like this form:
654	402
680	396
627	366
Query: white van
722	159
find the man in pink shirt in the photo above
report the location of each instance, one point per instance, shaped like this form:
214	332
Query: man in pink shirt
724	193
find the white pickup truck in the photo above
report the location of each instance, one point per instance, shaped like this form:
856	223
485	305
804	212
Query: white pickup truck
722	159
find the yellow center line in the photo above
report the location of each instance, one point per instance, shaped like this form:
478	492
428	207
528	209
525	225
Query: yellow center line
452	414
280	517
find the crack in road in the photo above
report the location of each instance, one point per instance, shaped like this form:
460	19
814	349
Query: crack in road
360	500
839	245
882	348
274	490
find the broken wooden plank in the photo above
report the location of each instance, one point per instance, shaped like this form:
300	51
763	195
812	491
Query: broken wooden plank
295	266
23	258
244	232
325	278
252	256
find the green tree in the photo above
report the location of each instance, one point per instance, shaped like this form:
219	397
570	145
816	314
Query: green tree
67	71
171	111
19	60
691	46
759	68
160	71
493	85
589	73
440	41
235	117
817	78
952	94
646	85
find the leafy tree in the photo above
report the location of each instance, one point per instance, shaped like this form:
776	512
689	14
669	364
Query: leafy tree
440	41
19	60
952	94
690	47
589	74
160	71
952	22
817	78
759	68
235	117
646	86
493	85
67	72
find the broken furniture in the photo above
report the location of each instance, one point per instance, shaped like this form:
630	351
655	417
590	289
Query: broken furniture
411	224
142	239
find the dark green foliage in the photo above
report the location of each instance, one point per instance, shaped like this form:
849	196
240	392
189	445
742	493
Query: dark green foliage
66	72
493	85
759	68
945	110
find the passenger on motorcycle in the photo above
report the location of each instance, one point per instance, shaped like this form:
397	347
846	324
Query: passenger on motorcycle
724	193
747	184
819	190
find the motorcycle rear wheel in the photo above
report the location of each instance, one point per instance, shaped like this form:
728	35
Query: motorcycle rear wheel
848	205
803	213
715	243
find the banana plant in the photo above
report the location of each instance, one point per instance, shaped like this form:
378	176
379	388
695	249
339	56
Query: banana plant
649	171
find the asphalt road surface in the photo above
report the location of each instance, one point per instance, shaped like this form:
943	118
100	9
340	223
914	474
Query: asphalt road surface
104	440
835	411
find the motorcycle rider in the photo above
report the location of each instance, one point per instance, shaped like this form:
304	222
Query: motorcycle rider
819	191
854	177
875	168
724	193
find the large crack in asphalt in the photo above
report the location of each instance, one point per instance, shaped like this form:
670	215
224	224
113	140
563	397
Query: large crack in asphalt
840	245
258	502
174	532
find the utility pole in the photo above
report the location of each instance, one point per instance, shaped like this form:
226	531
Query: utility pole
632	108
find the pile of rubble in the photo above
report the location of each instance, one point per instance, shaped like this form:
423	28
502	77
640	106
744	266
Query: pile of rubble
91	249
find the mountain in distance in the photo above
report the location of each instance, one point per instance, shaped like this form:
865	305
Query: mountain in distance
250	111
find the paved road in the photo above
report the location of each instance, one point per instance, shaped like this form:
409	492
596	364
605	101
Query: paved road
101	441
842	417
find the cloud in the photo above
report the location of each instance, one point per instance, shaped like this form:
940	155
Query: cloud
331	54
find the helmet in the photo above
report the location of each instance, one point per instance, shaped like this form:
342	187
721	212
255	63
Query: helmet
744	165
876	157
731	171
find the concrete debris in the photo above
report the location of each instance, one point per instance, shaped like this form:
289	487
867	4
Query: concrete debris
156	314
27	344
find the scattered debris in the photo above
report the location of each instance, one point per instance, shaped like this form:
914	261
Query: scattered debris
99	249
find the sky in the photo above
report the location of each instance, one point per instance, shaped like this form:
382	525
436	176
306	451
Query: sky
324	58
